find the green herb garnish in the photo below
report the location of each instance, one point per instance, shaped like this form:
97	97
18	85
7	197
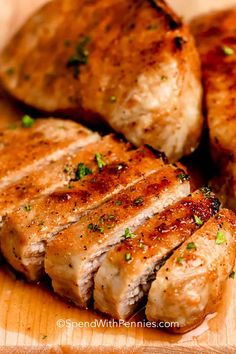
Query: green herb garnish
180	260
128	234
228	51
220	238
197	220
113	99
80	57
138	201
191	246
28	207
118	202
183	177
82	171
232	274
128	257
100	162
206	191
27	121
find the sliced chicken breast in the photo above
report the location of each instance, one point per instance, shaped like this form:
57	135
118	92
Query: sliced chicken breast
120	286
190	285
74	256
34	143
140	62
57	173
26	231
216	39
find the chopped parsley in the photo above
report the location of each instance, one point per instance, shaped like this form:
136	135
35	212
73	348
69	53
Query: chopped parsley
128	234
180	260
70	186
100	162
27	121
228	51
232	274
128	257
28	207
82	171
95	228
80	57
191	246
138	201
206	191
183	177
113	99
66	169
197	220
220	238
118	202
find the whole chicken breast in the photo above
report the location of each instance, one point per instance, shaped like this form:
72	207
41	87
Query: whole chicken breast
120	286
190	285
132	64
216	40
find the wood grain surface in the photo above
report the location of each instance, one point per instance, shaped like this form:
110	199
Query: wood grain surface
29	313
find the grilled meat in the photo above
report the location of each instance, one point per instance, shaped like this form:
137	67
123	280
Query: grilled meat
139	59
23	149
25	232
57	173
216	40
74	256
190	284
120	286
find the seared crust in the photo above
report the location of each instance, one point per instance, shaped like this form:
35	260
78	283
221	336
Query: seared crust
22	150
138	58
190	284
74	256
215	33
25	233
59	173
120	285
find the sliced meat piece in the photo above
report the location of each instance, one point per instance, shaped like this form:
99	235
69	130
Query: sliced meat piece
139	59
26	230
60	172
74	256
24	149
190	285
216	39
120	286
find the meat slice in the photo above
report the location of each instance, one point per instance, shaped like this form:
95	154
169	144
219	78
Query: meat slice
57	173
216	39
26	231
139	59
120	286
190	285
23	149
74	256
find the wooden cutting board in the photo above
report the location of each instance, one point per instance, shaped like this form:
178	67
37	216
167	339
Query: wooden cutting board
29	313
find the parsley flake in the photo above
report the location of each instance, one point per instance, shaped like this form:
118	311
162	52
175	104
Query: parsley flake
80	57
183	177
100	162
138	201
191	246
197	220
28	207
82	171
228	51
232	274
128	257
27	121
113	99
220	238
128	234
180	260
